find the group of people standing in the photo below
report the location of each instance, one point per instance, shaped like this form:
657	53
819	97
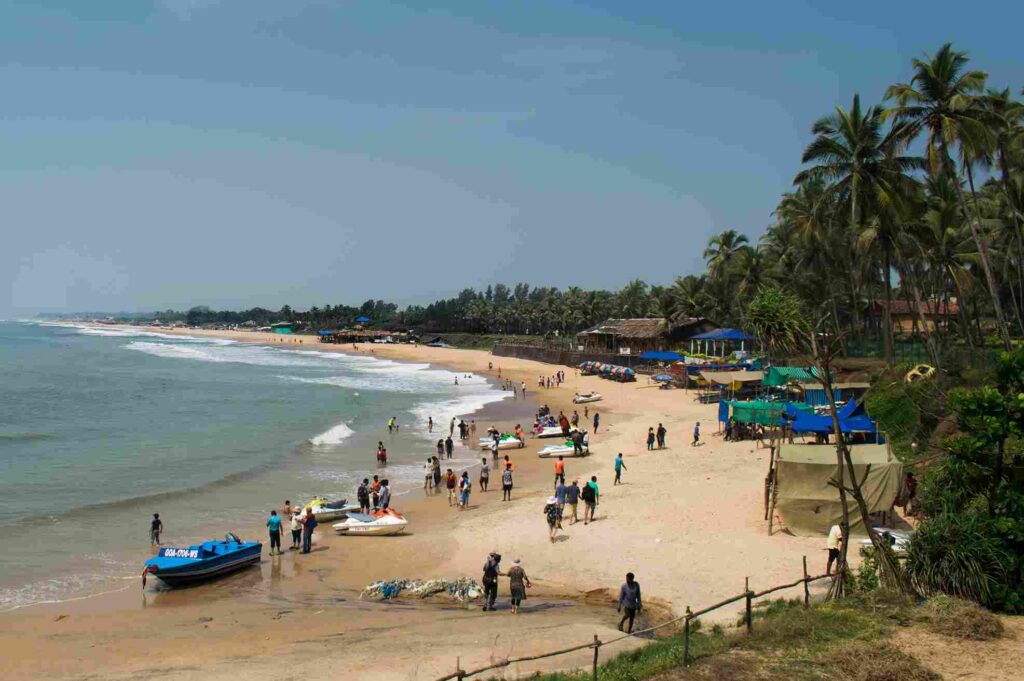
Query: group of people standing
302	523
555	381
656	437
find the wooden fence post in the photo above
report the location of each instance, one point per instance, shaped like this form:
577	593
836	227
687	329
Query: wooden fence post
807	586
597	647
458	669
686	639
750	605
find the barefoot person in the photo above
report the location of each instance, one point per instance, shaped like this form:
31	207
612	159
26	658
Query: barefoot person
506	483
485	474
696	435
572	500
155	528
518	583
619	467
629	598
274	529
551	512
591	494
833	544
490	580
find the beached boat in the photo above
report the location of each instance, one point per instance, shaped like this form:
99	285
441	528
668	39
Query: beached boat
551	431
175	566
563	449
325	510
383	522
507	441
586	397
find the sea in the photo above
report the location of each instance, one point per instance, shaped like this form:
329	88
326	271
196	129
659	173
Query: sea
102	426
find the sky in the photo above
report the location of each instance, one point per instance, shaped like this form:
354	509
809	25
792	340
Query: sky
234	153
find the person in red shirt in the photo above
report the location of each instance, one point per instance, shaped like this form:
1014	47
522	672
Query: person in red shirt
560	470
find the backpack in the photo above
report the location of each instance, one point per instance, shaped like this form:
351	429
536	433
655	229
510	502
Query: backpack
588	493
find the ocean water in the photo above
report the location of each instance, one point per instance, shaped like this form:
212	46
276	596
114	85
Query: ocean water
100	427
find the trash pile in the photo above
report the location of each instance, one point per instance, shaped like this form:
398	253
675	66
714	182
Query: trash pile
462	589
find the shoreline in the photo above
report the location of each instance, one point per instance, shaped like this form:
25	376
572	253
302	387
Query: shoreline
686	520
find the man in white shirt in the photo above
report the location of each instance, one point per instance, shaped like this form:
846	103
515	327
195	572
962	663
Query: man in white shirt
428	474
833	544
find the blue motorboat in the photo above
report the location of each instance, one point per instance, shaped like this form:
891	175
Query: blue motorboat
176	566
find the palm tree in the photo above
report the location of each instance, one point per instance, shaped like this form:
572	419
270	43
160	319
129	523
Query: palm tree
633	299
941	100
863	165
722	249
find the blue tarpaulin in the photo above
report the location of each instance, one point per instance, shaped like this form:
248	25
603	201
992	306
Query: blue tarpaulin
723	335
662	356
852	419
362	320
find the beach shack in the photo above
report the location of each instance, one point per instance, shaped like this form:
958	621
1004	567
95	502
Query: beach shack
803	494
284	327
637	336
720	342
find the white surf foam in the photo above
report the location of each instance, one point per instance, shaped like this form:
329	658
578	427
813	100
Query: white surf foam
334	436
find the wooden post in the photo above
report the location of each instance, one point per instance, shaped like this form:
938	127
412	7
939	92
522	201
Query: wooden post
597	647
686	639
458	669
807	586
750	606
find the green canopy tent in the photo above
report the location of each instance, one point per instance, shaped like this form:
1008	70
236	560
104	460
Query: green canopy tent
778	376
755	411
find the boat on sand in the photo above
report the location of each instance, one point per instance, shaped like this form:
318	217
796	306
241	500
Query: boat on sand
383	522
563	449
175	566
325	510
582	398
507	441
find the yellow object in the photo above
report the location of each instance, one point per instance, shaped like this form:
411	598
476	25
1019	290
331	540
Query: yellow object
919	373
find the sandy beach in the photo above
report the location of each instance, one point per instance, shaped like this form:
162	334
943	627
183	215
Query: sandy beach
687	520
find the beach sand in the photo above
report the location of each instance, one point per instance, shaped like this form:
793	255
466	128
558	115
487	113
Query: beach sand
689	521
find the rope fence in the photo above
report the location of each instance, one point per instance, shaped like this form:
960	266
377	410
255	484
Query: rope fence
748	596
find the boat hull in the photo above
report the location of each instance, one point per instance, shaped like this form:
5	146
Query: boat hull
176	571
504	444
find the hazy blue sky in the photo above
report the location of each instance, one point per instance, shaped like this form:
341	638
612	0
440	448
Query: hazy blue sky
242	152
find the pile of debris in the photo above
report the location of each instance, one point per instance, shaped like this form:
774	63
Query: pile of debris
462	589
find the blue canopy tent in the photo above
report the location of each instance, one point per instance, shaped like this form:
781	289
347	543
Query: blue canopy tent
721	336
362	320
852	419
662	356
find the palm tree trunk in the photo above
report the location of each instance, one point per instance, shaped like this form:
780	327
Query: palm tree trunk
982	245
887	348
962	309
1018	239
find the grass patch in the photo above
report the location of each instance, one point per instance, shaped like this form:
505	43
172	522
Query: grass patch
958	618
833	640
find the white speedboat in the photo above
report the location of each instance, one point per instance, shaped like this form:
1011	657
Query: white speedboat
586	397
551	431
564	449
505	442
377	524
325	511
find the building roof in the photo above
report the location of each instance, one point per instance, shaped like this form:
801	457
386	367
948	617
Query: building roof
780	375
731	377
640	328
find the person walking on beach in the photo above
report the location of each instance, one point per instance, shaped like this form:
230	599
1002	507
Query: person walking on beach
661	436
362	496
472	428
551	513
308	526
572	499
506	483
560	471
440	449
490	579
385	494
485	474
428	474
430	424
597	420
629	599
650	439
522	386
591	495
518	583
833	544
575	420
465	487
463	429
696	435
560	491
155	528
449	446
619	467
375	491
296	525
494	450
449	482
437	475
274	527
